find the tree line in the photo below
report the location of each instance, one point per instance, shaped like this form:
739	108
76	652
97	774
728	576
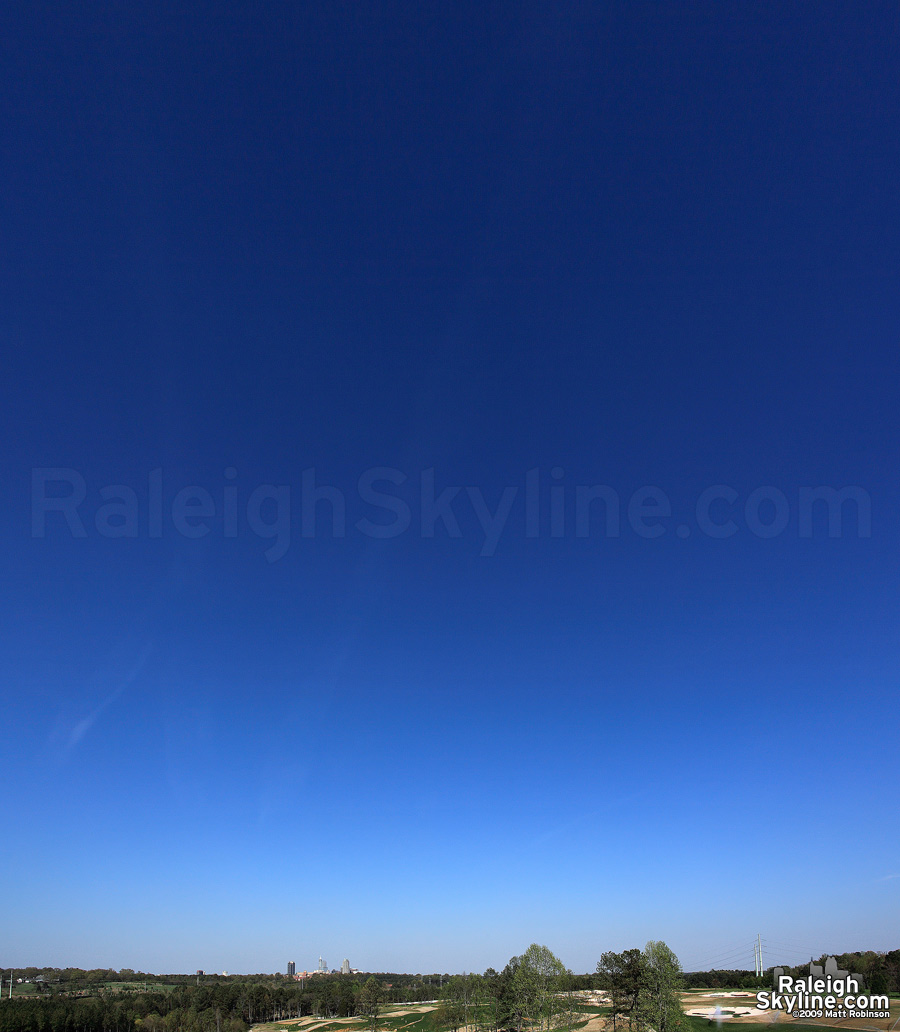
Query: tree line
195	1004
880	970
534	992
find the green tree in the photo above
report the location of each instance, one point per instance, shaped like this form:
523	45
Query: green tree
493	994
505	1008
456	996
622	976
643	988
370	997
447	1016
536	983
662	973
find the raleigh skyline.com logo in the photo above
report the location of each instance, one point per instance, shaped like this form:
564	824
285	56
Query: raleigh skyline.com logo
827	992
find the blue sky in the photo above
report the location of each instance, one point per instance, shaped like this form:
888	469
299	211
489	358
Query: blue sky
451	269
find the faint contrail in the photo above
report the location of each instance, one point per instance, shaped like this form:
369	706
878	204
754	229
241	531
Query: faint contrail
84	725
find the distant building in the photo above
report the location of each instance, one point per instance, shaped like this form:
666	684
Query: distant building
323	967
345	967
292	969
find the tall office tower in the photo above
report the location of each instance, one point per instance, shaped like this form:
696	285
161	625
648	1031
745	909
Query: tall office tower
322	965
345	967
292	968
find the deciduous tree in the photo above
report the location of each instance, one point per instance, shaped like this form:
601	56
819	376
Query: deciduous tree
662	972
370	997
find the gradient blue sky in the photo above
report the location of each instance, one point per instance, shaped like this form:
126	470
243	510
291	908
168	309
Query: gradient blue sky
640	245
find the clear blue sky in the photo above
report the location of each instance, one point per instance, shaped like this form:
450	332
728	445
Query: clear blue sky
254	252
